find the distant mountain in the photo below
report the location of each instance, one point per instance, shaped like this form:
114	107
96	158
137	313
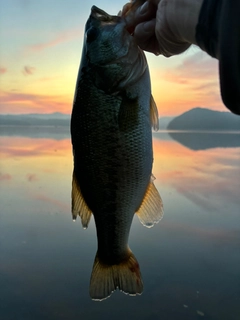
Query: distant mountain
52	119
36	132
164	122
35	119
54	115
200	119
197	119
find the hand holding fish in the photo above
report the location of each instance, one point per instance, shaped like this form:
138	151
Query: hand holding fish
169	27
165	27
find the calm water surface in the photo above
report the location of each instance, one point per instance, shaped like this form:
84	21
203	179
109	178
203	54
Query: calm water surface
189	261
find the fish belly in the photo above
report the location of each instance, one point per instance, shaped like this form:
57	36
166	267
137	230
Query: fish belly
112	163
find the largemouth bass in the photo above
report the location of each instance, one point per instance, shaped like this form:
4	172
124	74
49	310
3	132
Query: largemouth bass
113	112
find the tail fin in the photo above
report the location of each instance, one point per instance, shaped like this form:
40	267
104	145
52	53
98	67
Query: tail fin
125	276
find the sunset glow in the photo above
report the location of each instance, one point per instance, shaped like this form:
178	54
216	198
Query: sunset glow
41	45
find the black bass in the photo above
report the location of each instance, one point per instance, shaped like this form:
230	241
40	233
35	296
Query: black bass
113	112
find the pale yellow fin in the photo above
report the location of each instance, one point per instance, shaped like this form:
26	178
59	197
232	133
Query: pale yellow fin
79	206
154	114
125	276
151	209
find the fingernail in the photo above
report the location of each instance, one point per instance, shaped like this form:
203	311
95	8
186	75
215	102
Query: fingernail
144	8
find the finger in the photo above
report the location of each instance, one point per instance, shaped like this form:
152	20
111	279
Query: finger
145	37
143	13
126	8
145	29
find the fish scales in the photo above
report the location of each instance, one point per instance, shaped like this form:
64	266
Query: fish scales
116	164
112	148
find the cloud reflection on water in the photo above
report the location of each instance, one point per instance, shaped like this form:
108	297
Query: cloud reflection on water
207	140
206	177
47	258
202	176
37	171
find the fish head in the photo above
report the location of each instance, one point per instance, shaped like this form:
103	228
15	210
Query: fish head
110	52
105	37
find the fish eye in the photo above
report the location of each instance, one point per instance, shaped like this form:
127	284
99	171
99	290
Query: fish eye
92	34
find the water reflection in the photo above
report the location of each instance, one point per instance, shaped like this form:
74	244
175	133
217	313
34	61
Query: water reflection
208	178
55	133
189	262
207	140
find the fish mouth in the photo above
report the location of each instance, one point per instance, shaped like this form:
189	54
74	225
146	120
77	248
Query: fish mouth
100	14
106	18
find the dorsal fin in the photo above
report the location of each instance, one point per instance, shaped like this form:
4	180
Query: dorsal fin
151	209
79	206
154	114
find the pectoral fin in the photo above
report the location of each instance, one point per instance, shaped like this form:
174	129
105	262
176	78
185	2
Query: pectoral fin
79	206
151	209
154	114
125	276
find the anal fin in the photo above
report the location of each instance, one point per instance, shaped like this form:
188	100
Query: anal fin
151	209
79	206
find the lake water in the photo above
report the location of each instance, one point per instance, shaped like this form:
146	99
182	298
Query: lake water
190	261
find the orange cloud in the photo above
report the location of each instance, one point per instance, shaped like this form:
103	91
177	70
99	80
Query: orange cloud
31	177
27	70
61	38
15	102
193	82
199	68
3	70
5	176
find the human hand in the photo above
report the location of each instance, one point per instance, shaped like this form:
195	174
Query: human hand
164	27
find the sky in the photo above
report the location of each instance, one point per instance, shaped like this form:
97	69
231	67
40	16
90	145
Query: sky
41	44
